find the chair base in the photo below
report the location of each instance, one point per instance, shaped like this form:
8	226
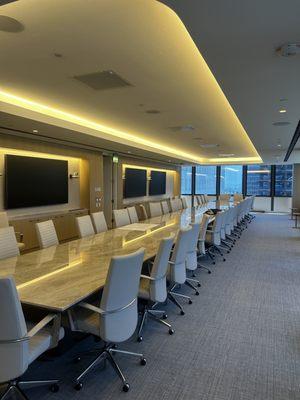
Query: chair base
172	295
14	388
154	315
107	354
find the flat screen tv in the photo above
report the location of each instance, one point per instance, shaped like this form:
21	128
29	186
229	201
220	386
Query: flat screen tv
32	181
135	182
157	183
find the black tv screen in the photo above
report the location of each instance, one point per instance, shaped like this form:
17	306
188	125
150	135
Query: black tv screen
31	181
135	182
157	183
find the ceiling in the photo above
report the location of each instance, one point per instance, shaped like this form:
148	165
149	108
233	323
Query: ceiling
50	42
238	40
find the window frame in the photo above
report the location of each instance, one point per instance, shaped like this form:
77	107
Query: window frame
271	182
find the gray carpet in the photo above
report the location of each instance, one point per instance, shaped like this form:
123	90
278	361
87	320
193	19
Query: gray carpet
239	340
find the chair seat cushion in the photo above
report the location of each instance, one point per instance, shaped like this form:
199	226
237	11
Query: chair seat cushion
144	290
21	246
41	341
87	321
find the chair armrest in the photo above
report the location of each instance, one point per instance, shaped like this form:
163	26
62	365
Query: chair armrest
171	262
40	325
91	307
147	277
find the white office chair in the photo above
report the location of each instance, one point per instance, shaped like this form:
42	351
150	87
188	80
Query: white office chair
143	212
201	242
46	234
153	288
165	207
116	319
99	221
177	270
184	203
132	215
8	243
121	217
191	261
20	347
155	209
224	199
213	235
84	226
174	205
237	197
4	223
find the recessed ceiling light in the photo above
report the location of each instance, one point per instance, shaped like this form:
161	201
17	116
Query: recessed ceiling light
279	145
282	111
129	152
35	131
58	55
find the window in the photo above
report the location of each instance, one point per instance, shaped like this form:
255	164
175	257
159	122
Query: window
231	179
186	180
284	180
206	177
259	180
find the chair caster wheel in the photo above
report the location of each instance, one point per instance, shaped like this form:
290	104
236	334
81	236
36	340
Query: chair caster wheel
165	316
126	387
224	259
143	361
190	301
182	312
78	386
214	263
199	284
54	388
140	339
197	293
209	272
171	331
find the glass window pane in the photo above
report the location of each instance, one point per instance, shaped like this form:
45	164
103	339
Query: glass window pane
206	177
259	180
231	179
186	180
284	180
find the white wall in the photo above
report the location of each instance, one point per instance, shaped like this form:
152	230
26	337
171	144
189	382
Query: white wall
74	189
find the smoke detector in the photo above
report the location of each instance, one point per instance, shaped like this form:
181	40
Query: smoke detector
289	50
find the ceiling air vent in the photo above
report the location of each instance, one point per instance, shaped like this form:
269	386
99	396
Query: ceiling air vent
183	128
281	123
103	80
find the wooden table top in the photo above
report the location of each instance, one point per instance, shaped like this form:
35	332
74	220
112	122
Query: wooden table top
60	276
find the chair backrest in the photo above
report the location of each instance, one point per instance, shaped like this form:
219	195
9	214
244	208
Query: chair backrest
143	211
155	209
184	202
191	254
237	197
3	220
8	243
177	268
165	207
158	288
132	214
174	205
46	234
121	217
14	356
119	297
85	226
202	233
99	221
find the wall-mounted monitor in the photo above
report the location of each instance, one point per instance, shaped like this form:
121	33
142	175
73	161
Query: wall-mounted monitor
135	182
157	183
32	181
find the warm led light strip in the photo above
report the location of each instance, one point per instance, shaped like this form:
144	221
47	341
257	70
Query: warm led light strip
236	159
40	278
65	116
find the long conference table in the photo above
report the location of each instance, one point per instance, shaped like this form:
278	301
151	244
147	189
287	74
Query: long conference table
58	277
